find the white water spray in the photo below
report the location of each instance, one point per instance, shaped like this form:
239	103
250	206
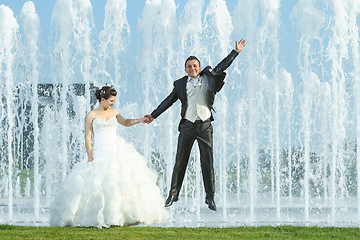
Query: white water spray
31	24
8	41
114	39
285	130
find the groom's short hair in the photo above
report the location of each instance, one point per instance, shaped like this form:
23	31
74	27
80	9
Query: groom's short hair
192	58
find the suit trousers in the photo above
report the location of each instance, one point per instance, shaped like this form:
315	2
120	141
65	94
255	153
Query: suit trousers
189	132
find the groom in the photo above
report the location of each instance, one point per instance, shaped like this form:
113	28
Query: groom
196	92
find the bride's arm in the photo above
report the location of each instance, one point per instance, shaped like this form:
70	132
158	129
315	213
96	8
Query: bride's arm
128	122
88	133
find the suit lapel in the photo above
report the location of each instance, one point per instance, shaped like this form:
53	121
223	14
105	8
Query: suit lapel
182	88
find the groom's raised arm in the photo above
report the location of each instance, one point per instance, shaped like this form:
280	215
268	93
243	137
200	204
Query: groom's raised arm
227	61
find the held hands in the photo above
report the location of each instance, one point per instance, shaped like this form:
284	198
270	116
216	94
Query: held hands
148	118
239	46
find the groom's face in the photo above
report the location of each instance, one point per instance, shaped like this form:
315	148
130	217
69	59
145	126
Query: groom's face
192	68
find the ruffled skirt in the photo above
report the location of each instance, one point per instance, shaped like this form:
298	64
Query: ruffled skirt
117	188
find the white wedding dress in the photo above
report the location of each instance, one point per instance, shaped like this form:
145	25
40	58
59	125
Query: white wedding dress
117	188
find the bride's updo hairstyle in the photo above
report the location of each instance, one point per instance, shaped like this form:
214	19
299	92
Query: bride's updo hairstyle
105	92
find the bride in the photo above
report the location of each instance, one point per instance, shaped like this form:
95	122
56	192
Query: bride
115	186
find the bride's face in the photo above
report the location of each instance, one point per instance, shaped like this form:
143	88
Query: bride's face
107	103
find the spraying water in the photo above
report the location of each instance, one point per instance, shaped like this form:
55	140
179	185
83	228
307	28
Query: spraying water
286	124
31	25
8	41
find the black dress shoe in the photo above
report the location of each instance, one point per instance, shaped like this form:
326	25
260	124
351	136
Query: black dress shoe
211	204
169	201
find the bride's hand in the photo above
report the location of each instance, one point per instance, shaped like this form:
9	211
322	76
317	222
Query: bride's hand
90	159
142	120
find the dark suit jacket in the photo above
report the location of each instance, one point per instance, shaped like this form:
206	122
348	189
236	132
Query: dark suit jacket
215	81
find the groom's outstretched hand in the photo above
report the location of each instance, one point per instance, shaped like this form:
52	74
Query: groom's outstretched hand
148	118
239	46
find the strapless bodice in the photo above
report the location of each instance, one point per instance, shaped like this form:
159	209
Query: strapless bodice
104	131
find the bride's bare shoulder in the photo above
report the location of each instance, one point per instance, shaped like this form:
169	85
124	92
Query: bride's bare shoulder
91	115
114	111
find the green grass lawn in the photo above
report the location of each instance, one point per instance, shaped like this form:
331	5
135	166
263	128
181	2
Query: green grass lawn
284	232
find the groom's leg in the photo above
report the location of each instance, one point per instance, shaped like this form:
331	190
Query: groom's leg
185	142
205	141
